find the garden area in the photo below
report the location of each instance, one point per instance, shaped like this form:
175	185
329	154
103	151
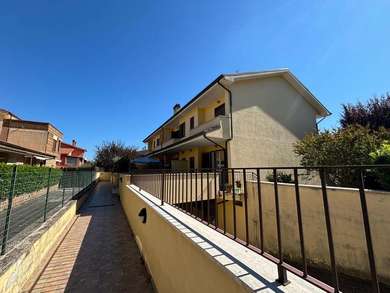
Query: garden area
363	138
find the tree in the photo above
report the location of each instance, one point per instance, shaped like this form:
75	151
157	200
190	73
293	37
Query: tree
110	152
373	114
352	145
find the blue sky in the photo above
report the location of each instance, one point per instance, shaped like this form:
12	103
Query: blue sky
102	70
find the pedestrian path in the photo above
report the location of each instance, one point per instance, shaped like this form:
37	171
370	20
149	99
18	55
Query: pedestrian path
99	253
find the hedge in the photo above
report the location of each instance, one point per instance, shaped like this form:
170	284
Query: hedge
28	179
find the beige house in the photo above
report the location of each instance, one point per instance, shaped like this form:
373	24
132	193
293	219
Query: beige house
28	141
239	120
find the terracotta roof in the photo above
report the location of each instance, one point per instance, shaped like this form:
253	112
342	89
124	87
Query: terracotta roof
69	145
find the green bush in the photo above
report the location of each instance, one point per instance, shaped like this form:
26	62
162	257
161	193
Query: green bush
280	177
353	145
382	156
28	179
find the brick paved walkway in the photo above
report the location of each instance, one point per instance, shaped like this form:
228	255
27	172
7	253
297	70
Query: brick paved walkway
98	254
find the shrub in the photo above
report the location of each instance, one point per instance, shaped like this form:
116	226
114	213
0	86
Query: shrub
28	179
346	146
280	177
382	156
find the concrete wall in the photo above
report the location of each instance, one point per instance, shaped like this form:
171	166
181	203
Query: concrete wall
179	268
269	116
28	261
28	138
21	266
104	176
347	225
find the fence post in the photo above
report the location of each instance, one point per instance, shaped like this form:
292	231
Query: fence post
63	187
9	208
162	187
77	181
47	195
367	232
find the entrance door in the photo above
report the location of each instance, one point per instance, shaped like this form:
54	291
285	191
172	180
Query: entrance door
213	160
206	162
192	163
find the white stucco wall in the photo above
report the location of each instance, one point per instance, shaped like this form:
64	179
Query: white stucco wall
269	116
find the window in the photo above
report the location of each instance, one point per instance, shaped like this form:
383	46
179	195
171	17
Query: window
54	148
214	159
181	132
192	123
219	111
158	141
71	161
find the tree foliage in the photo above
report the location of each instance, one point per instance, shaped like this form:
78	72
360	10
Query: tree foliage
110	154
373	114
352	145
280	177
382	156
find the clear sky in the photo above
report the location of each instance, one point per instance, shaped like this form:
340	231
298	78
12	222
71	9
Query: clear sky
101	70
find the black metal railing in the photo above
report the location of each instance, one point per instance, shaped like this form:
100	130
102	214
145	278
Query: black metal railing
29	198
205	195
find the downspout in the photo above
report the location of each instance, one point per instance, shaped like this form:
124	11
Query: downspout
319	121
231	123
218	145
231	106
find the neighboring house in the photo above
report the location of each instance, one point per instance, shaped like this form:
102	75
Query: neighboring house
239	120
40	139
5	114
14	154
72	156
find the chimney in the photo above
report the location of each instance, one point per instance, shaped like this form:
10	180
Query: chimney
74	142
176	108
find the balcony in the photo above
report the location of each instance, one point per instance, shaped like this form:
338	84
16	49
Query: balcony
217	129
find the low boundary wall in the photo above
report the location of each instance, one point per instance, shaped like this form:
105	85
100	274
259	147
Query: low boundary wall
22	265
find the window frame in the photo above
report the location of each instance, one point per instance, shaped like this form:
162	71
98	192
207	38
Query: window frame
218	109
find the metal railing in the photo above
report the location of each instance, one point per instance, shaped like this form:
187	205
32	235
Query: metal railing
29	198
204	194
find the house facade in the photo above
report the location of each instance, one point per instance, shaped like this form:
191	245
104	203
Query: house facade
40	139
72	156
238	120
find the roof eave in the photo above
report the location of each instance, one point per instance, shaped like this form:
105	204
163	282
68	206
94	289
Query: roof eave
185	106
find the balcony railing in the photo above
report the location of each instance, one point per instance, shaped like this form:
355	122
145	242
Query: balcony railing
232	200
218	123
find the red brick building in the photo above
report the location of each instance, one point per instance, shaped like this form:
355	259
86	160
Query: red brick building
71	155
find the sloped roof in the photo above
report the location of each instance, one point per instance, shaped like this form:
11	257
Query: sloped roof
233	77
69	145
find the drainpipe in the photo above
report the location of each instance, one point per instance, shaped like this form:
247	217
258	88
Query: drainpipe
319	121
231	124
224	149
231	106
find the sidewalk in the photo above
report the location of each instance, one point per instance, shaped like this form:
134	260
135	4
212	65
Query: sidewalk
98	254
